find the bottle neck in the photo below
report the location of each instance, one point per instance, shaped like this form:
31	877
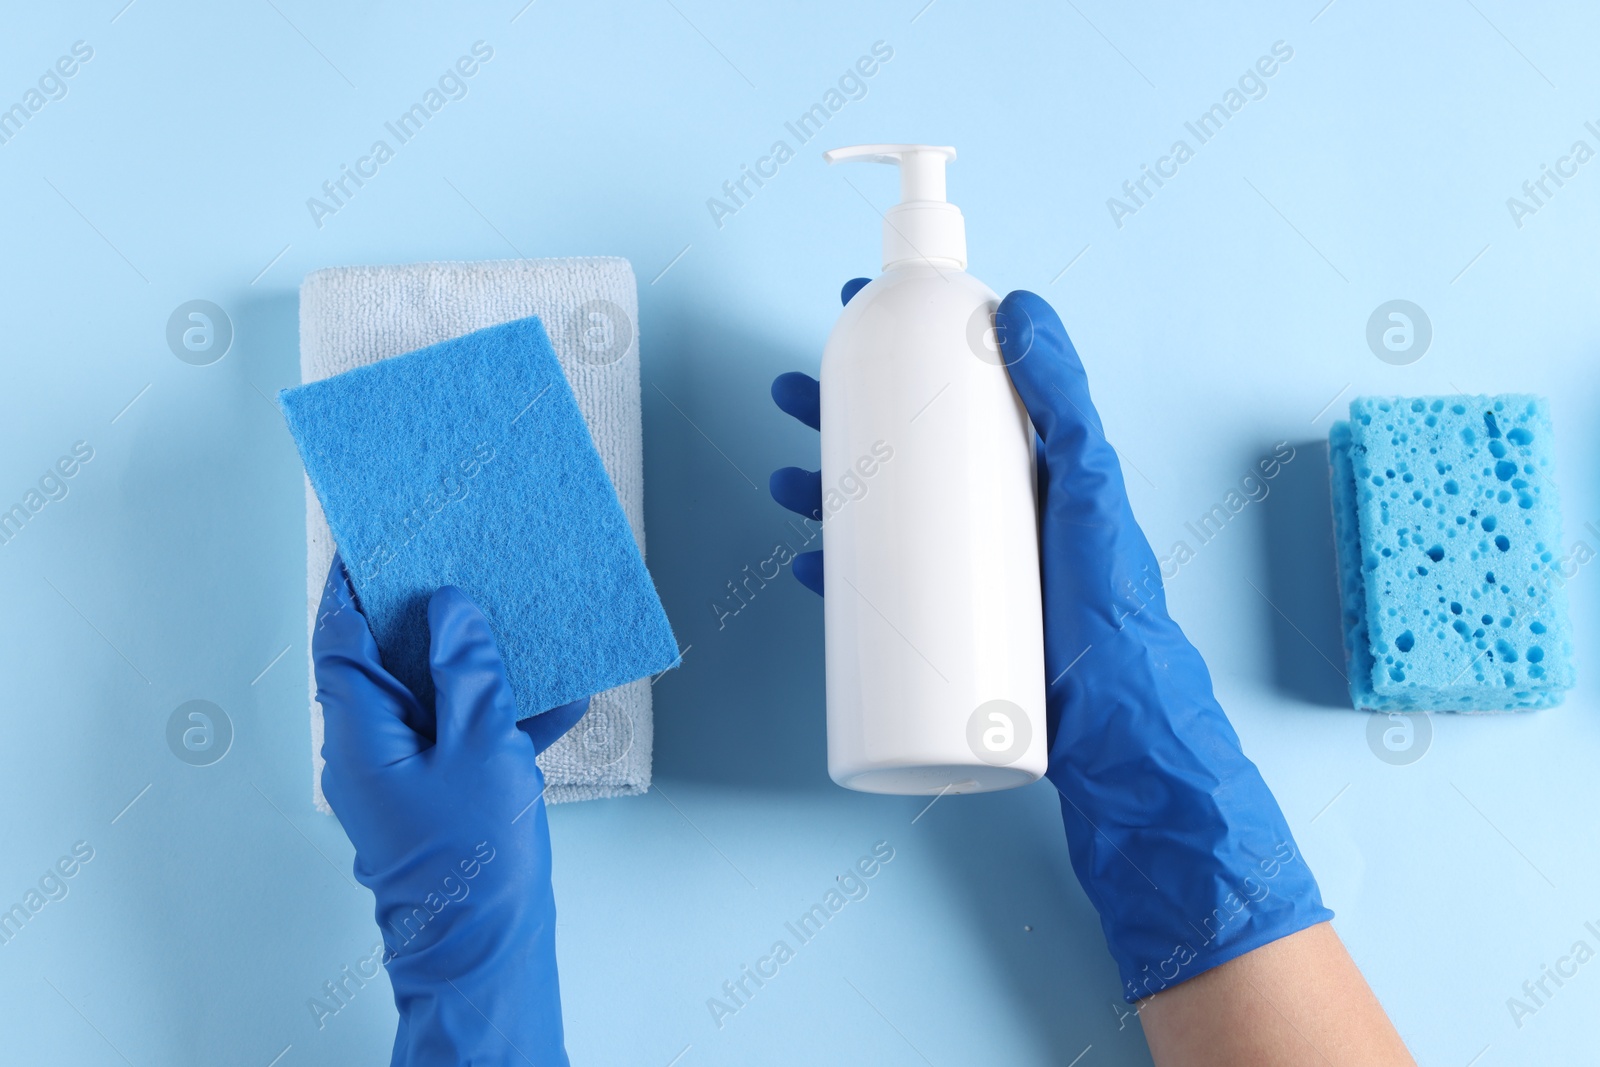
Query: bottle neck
924	231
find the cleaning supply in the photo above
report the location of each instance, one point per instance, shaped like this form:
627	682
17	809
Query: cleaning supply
935	655
1448	527
468	464
353	316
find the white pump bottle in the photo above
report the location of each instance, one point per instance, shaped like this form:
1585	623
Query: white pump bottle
935	647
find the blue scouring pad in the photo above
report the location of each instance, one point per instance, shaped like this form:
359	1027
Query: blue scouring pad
1447	527
468	463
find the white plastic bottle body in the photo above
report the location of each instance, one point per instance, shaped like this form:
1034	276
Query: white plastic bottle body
935	649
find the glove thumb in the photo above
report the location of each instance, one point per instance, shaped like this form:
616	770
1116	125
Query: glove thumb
369	718
473	702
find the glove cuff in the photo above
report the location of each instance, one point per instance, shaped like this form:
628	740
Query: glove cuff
493	998
1250	908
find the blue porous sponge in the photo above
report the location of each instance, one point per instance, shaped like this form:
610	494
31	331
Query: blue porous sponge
468	463
1447	526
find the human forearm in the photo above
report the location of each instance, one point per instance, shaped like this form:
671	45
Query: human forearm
1298	1000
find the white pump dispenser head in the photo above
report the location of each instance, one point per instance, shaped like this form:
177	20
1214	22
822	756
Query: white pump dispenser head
923	227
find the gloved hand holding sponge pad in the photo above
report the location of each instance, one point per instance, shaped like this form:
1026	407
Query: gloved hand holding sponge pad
1448	532
468	463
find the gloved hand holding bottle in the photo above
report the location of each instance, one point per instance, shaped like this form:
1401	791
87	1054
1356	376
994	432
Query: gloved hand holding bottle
1175	837
445	807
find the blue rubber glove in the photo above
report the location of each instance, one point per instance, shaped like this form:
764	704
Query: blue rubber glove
1178	842
445	807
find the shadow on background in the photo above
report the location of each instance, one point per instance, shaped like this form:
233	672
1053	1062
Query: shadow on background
205	515
1302	581
745	707
1042	939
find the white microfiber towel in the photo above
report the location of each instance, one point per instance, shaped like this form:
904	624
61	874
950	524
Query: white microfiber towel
352	316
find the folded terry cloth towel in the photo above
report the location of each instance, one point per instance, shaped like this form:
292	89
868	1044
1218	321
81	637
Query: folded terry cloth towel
354	316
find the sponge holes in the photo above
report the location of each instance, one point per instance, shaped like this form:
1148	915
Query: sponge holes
1400	738
1492	639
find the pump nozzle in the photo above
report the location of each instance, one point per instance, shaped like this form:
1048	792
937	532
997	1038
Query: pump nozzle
923	227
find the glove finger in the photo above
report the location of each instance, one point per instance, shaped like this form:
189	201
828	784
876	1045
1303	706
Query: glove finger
1049	377
1048	374
1097	555
851	288
366	713
799	395
808	570
549	727
475	708
799	490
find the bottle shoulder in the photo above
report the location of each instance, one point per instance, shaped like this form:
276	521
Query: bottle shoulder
914	307
923	282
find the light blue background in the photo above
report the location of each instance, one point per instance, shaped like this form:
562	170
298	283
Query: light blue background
1225	316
